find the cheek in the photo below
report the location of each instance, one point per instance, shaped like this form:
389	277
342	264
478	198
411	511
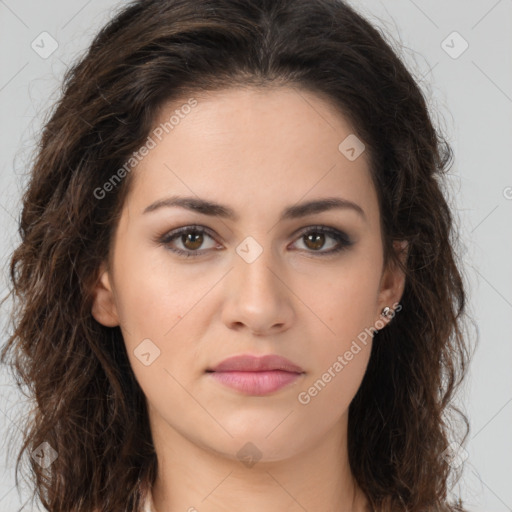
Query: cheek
161	314
328	393
349	300
153	295
348	305
341	358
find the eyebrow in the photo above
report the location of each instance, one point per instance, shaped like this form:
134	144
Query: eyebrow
214	209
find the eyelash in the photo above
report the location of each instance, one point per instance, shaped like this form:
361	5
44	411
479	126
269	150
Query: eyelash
343	240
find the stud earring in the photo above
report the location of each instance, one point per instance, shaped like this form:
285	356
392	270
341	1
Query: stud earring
386	311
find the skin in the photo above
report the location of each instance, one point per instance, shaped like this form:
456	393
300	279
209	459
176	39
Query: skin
258	152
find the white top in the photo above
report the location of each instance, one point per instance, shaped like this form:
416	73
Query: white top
148	505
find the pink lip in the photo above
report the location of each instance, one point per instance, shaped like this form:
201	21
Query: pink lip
256	375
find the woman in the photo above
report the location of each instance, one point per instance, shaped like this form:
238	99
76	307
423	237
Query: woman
236	285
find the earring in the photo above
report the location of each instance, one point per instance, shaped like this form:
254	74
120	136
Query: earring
386	311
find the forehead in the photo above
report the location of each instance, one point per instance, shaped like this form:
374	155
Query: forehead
251	146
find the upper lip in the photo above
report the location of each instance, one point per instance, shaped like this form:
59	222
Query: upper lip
248	363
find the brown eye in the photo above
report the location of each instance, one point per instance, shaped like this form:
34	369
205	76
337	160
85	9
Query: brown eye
314	241
192	240
316	238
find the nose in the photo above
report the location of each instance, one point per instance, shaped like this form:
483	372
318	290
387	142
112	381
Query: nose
257	297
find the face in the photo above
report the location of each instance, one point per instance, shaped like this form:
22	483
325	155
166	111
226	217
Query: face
262	275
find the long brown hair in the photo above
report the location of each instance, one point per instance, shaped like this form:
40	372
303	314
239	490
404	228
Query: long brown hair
88	405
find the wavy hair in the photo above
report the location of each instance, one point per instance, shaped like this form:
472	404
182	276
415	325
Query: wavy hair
87	404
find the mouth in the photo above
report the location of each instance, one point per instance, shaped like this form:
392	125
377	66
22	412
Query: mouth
256	383
256	375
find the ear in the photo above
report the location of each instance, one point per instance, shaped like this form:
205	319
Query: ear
392	283
104	308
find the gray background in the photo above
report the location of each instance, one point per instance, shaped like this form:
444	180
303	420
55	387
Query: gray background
471	96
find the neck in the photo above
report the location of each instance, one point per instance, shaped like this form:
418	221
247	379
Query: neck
197	479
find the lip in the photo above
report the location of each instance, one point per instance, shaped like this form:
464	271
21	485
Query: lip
256	375
249	363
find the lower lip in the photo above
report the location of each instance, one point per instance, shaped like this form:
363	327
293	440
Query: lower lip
256	383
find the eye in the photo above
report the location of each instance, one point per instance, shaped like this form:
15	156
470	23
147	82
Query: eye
314	238
192	238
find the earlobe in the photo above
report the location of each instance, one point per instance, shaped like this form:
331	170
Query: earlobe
104	308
